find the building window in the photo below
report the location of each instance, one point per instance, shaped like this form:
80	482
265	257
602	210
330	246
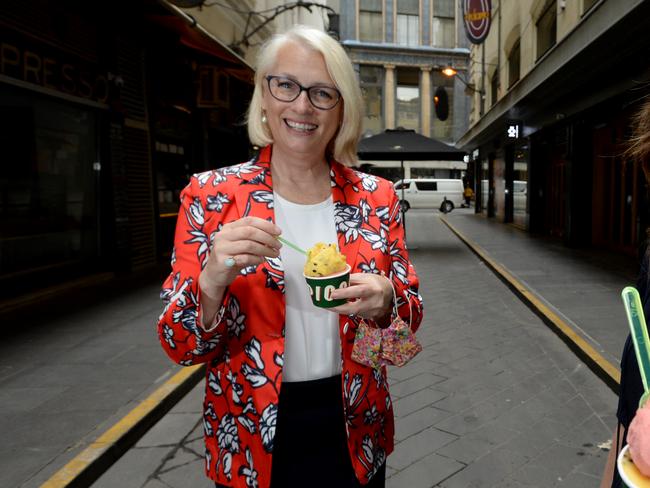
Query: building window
587	4
494	87
372	85
547	29
443	130
514	65
408	99
444	23
48	204
408	22
370	21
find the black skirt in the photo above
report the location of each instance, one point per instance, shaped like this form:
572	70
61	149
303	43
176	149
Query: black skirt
310	446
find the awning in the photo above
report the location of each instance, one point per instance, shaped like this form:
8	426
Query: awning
403	144
195	36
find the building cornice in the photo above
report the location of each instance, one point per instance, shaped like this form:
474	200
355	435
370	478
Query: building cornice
570	64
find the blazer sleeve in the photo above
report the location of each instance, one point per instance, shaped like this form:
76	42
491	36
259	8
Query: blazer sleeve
179	332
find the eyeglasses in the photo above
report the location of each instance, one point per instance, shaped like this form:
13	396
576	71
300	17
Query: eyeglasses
287	90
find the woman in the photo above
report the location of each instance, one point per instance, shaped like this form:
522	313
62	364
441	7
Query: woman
631	387
285	404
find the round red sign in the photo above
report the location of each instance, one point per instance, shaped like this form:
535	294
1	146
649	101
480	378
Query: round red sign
477	16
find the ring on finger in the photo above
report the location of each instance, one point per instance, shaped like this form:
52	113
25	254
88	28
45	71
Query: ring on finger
230	262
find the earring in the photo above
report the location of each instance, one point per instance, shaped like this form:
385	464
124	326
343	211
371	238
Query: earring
263	118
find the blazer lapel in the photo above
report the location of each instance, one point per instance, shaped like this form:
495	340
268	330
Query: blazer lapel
347	213
254	197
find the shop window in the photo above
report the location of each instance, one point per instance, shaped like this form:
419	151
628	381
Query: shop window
408	99
48	187
587	4
514	65
372	86
213	88
485	185
444	23
547	29
520	186
370	20
408	22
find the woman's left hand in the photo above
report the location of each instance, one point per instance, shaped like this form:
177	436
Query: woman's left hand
370	296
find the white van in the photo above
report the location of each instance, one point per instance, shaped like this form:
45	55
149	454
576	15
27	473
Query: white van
430	193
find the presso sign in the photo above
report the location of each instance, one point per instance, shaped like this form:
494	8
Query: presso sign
477	16
48	66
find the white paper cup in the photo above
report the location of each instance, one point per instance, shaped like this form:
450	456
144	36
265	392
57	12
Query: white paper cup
630	474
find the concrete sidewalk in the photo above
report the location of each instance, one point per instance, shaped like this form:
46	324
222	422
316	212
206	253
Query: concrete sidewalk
72	367
495	399
583	286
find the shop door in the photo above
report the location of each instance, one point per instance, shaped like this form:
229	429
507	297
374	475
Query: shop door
556	186
172	175
615	192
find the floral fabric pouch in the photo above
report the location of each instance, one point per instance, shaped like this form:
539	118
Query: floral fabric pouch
395	345
398	343
367	346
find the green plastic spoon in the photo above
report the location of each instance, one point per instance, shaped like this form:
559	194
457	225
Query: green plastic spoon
639	330
291	245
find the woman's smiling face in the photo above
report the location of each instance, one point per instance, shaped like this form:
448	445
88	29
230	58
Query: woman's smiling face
298	127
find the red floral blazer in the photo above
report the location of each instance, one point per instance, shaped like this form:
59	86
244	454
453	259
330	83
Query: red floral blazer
244	352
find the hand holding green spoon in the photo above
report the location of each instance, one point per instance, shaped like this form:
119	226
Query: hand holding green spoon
639	332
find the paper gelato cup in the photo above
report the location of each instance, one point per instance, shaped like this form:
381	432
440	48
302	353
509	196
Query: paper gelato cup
321	287
630	474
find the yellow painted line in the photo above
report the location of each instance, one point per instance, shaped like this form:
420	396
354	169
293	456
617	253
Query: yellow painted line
67	475
608	372
167	215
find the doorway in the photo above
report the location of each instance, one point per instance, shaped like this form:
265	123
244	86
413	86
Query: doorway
616	182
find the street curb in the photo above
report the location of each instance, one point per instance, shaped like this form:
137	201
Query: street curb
601	367
102	453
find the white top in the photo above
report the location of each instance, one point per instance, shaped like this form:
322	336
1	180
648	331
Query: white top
312	346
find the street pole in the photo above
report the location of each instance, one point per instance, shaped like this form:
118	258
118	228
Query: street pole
401	206
482	92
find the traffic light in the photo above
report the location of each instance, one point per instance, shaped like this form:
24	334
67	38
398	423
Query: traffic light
441	103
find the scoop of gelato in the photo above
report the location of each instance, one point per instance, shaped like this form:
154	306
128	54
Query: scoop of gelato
324	260
638	438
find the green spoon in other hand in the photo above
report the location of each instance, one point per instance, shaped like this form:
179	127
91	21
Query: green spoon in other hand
639	331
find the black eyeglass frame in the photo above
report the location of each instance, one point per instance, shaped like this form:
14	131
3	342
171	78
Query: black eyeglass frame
307	89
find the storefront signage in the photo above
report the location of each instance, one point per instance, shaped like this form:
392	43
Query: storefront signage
513	129
477	16
43	66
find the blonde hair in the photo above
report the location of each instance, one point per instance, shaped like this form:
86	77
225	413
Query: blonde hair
344	145
639	144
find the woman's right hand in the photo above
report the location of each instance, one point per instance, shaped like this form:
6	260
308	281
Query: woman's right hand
248	241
